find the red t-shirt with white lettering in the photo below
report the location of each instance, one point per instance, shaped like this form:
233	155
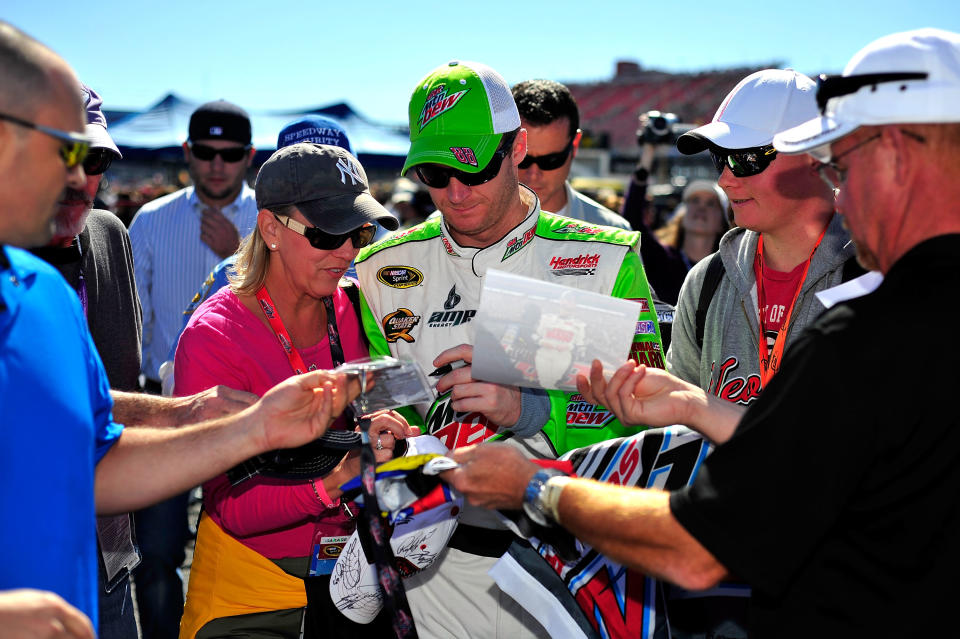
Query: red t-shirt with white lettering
778	288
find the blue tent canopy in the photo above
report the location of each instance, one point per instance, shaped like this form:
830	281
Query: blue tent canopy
162	128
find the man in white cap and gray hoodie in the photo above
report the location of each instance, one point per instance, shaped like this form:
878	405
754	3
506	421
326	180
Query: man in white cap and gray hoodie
742	308
839	510
758	292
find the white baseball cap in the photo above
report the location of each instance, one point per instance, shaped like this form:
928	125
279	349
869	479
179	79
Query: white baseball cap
761	105
908	77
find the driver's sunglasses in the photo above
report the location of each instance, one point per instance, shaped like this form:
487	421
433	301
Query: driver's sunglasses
98	160
836	86
73	146
324	241
437	176
744	162
549	161
229	154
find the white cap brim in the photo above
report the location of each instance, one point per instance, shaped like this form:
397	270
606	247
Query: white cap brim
813	137
723	135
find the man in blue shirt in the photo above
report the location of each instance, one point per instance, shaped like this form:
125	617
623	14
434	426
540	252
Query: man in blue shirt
63	456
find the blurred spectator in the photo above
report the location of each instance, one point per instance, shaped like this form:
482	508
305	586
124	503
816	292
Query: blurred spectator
409	202
670	250
550	115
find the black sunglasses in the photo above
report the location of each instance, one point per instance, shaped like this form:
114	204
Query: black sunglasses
549	161
437	176
328	241
97	161
835	86
229	154
73	146
744	162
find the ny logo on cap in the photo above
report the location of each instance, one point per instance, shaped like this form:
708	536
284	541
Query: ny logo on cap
346	168
216	131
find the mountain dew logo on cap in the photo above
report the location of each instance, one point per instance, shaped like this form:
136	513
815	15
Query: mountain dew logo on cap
458	113
437	103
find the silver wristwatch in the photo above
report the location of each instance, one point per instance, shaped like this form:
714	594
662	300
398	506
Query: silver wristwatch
542	511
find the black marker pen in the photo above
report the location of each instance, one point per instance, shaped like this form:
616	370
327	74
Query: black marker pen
448	368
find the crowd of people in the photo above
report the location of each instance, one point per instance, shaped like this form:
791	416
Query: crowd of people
200	344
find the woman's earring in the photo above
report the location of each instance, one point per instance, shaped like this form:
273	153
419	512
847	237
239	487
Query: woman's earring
273	246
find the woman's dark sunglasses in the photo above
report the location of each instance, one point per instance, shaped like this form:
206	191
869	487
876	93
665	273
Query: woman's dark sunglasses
437	176
328	241
548	162
97	162
745	162
229	154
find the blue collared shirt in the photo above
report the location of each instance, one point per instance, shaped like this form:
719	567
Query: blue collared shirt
170	262
55	426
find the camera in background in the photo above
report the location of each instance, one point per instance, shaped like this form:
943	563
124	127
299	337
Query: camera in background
660	128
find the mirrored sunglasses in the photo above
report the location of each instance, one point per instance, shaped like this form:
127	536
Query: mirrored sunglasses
229	154
73	146
744	162
437	176
324	241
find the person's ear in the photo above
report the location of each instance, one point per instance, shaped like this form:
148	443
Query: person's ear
576	143
269	227
519	147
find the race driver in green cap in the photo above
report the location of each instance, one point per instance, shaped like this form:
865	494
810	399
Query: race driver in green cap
421	289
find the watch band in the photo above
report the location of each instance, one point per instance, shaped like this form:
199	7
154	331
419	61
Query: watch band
532	496
550	496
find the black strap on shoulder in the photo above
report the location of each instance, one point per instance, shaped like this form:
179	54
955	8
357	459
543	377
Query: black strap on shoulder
711	280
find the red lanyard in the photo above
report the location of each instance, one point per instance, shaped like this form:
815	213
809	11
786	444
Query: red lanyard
296	361
770	363
273	317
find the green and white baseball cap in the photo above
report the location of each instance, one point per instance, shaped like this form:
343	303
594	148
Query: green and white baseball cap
458	114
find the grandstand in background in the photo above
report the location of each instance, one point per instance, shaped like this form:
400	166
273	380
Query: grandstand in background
609	112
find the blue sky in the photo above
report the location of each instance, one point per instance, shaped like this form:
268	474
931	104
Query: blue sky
283	55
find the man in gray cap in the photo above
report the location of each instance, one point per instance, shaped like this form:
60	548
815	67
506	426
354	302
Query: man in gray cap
177	240
839	510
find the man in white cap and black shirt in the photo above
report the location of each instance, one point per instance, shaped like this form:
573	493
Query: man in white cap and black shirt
177	240
839	510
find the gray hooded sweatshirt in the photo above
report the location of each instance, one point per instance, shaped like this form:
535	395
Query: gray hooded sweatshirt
728	365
